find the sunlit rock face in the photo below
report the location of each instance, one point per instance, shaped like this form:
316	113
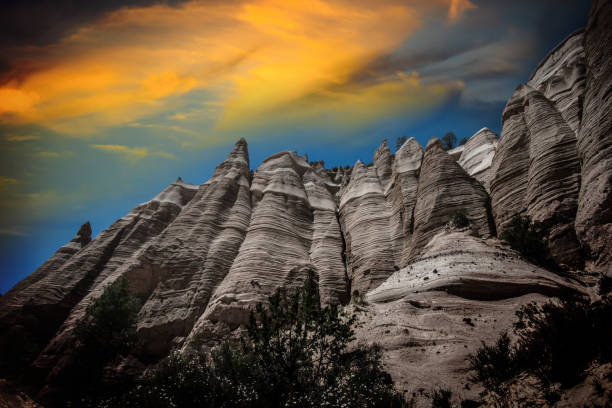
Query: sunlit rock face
536	169
594	215
293	229
477	156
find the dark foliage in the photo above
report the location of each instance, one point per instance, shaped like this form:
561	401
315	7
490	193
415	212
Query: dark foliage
494	364
441	398
296	355
529	239
460	219
463	141
109	328
107	332
557	341
449	140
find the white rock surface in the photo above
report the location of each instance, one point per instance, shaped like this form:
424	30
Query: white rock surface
477	155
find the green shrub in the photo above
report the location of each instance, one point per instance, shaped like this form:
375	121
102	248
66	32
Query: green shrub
460	219
530	240
109	327
296	354
556	342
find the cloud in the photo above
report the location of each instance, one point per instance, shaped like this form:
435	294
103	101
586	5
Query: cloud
12	232
52	155
458	7
131	152
251	57
21	138
6	182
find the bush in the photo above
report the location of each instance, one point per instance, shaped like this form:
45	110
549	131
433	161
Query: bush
556	343
530	240
296	355
460	219
441	398
107	332
494	365
109	327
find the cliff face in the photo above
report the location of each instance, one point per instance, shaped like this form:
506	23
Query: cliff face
200	257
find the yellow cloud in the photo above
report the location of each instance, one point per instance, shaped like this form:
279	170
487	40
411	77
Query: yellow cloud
25	138
131	152
52	155
251	58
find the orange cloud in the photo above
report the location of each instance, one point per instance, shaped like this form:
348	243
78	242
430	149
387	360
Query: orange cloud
252	58
458	7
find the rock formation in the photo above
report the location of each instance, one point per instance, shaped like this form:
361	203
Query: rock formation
200	257
444	189
536	169
64	295
430	315
477	155
594	215
293	228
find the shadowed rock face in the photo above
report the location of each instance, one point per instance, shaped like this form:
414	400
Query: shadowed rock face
536	168
46	303
594	215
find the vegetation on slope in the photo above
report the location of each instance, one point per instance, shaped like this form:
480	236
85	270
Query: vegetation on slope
296	354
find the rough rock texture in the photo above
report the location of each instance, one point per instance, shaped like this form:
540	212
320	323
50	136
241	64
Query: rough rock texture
445	188
536	169
419	315
65	295
594	215
477	155
364	216
14	299
293	228
402	195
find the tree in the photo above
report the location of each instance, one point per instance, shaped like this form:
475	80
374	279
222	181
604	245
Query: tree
449	140
530	239
296	354
400	142
463	141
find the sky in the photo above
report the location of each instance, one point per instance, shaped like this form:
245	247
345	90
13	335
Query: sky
104	103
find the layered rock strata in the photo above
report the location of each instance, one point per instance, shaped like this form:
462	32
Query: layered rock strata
430	315
445	189
84	276
477	156
293	229
594	215
536	169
